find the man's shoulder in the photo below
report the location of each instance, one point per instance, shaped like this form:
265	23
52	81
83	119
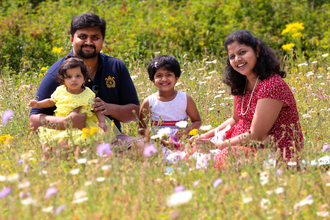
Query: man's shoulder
109	60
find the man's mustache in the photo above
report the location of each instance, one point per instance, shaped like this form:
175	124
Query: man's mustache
88	46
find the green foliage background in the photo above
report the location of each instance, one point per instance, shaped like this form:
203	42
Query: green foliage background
137	29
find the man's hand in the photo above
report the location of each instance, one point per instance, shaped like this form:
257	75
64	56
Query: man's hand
77	120
102	106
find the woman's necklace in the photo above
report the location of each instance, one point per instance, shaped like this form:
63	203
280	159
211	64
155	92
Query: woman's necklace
247	108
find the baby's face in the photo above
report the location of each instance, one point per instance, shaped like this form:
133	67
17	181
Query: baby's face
165	80
74	80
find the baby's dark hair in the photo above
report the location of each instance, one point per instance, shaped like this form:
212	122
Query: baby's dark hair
267	62
169	63
69	63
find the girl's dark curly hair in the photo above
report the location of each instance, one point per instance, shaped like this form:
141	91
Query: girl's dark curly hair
69	63
267	62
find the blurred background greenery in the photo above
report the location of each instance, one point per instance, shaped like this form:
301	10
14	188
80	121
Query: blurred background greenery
35	33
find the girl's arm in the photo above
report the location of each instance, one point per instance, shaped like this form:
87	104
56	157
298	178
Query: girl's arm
231	121
144	116
46	103
193	114
101	119
267	111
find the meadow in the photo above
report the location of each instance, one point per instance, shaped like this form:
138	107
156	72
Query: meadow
120	187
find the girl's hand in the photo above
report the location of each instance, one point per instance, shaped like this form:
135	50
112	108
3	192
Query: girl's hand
103	126
178	134
204	145
33	104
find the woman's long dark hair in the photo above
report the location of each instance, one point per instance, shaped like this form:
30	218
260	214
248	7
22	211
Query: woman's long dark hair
267	62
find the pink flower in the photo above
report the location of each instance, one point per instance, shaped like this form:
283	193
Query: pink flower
50	191
5	192
217	182
149	150
279	171
325	148
6	116
178	188
196	183
59	209
104	150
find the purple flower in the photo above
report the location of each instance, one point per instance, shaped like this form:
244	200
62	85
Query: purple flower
59	209
5	192
217	182
308	197
184	63
20	162
183	72
50	191
279	171
196	183
178	188
194	61
6	116
26	168
104	150
148	89
149	150
325	148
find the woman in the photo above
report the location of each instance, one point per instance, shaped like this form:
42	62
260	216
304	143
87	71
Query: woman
263	104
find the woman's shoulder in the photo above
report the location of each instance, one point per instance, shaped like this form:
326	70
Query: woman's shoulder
273	80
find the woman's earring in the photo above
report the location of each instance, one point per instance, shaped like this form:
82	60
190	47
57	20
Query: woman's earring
257	55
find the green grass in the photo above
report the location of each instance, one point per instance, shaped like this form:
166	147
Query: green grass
139	188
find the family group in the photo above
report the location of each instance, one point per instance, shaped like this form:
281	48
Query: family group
88	89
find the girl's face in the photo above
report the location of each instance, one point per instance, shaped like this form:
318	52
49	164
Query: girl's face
164	80
74	80
242	58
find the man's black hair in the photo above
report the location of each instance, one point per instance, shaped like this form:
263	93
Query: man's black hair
87	20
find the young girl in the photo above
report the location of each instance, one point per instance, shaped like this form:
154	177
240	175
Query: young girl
264	107
168	106
72	94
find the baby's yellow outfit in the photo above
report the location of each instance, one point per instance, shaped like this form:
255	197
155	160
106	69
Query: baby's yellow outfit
65	103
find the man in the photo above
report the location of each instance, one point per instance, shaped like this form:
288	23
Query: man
116	96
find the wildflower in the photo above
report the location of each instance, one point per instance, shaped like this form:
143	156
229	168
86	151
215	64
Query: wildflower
307	201
325	148
179	198
5	192
178	188
206	127
279	171
303	64
163	132
217	182
50	191
196	183
322	213
74	172
28	201
181	124
27	155
279	190
20	162
104	150
79	197
193	132
325	55
100	179
106	167
213	61
13	177
264	203
293	28
82	161
292	163
134	76
3	178
88	183
264	178
310	73
93	130
84	133
26	168
149	150
57	49
59	209
6	116
297	35
43	68
48	209
247	199
287	47
24	184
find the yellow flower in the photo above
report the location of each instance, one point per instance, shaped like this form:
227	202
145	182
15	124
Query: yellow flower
5	138
293	28
44	68
57	49
41	74
193	132
297	35
93	130
84	133
287	46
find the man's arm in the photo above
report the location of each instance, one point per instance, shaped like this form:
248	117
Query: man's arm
61	123
124	113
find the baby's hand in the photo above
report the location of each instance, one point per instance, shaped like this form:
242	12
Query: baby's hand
103	126
33	104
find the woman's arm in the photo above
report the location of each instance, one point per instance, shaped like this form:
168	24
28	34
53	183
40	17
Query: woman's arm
46	103
144	116
193	114
267	111
231	121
